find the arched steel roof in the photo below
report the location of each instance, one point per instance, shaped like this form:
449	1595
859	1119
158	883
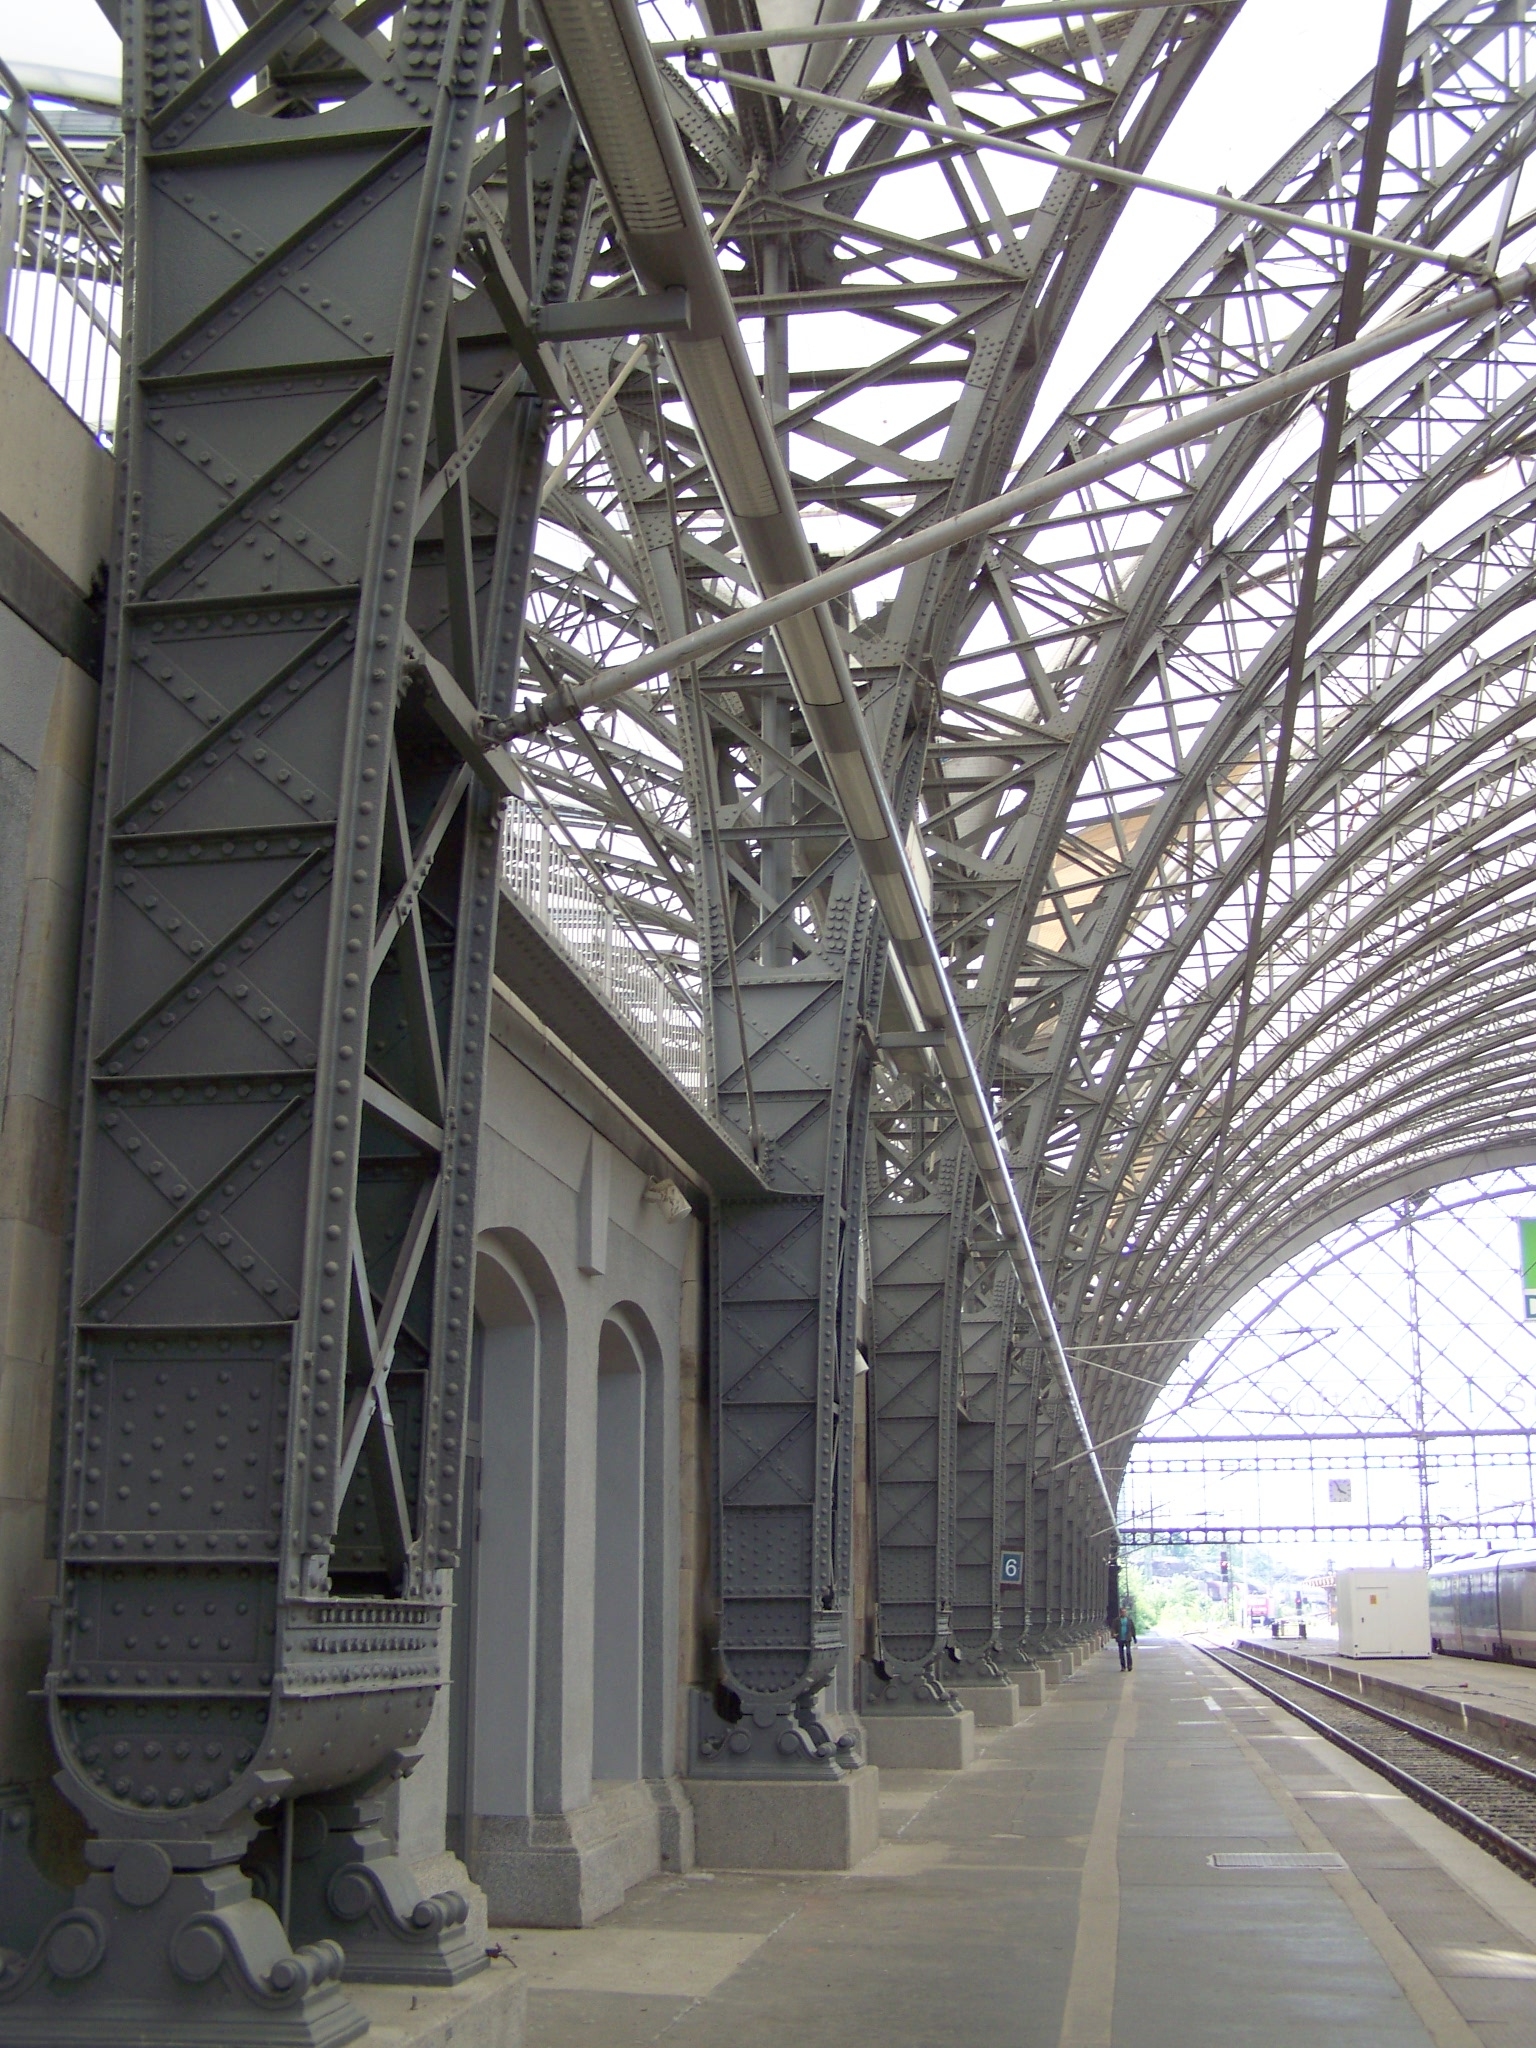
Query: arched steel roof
1092	696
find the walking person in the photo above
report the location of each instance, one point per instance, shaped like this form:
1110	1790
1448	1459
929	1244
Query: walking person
1125	1636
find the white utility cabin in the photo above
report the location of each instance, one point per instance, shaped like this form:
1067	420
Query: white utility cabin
1383	1613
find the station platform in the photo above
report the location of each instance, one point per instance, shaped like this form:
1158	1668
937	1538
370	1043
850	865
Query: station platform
1467	1696
1072	1888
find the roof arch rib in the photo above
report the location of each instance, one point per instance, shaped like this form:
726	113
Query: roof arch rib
1084	707
1130	654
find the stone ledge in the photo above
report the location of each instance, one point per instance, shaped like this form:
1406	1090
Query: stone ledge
488	2011
786	1824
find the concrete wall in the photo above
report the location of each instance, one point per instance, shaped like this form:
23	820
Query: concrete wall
55	492
587	1295
56	478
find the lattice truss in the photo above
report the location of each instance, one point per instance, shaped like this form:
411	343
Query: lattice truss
1397	1344
1095	692
901	368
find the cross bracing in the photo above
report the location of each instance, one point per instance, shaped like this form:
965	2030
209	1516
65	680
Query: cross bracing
1105	676
1392	1353
1069	933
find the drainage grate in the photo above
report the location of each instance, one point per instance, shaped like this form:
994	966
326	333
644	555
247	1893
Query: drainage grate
1286	1859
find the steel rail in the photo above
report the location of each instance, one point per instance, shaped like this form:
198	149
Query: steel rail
721	635
980	139
1508	1848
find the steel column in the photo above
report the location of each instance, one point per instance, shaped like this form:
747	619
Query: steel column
284	1015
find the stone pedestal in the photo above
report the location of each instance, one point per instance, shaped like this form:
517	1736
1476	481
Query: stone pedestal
994	1706
489	2011
1055	1668
348	1885
786	1823
921	1742
569	1869
1030	1686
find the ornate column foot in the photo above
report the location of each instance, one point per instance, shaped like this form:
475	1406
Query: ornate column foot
349	1886
778	1789
28	1899
981	1684
787	1739
913	1722
885	1691
166	1944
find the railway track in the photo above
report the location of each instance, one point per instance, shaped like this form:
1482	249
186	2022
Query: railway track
1483	1796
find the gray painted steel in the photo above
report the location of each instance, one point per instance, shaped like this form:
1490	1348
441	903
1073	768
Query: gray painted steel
284	1014
315	597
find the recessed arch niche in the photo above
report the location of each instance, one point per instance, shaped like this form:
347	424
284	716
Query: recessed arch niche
519	1340
618	1602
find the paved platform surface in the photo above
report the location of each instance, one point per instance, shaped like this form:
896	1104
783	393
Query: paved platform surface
1478	1681
1060	1894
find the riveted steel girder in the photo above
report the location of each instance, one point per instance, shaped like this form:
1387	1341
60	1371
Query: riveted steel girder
329	456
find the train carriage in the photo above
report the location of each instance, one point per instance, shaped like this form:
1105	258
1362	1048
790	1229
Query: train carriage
1485	1607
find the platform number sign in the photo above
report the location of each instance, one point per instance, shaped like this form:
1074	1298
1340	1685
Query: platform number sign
1528	1265
1010	1568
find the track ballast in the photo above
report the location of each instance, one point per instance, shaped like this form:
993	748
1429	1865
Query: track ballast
1483	1796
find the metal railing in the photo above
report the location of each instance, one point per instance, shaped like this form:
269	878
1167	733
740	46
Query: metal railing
61	261
584	924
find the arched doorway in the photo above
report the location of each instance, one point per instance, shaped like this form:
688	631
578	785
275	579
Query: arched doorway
618	1604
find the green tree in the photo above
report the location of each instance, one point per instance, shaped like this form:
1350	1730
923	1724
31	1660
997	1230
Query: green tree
1176	1604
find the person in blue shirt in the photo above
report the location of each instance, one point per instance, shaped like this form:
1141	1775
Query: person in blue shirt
1125	1636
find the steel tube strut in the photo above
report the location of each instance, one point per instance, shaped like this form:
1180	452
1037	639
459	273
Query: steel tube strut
770	612
928	22
1100	173
611	79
